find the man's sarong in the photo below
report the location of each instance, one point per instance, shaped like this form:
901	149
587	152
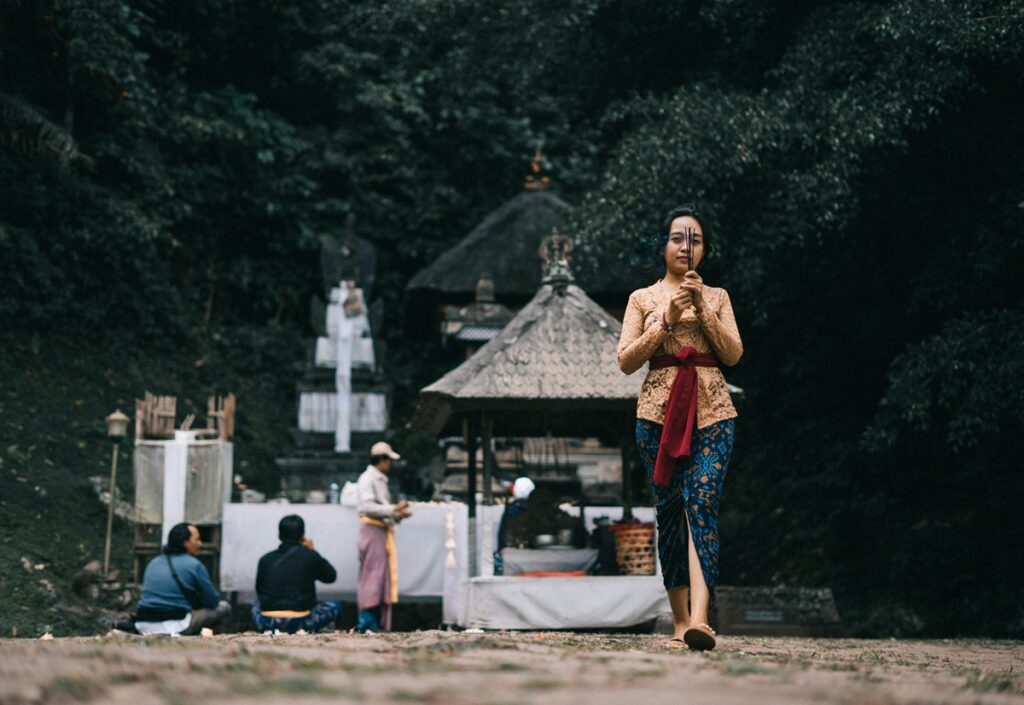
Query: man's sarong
323	615
378	568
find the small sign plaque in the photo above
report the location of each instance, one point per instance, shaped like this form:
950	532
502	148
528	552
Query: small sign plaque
761	616
776	610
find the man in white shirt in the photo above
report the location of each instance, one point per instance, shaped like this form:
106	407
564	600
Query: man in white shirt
378	559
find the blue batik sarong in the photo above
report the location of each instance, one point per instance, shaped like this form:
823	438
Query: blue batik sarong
696	490
323	615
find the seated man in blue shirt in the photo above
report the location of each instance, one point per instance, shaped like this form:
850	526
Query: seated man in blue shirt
286	584
177	594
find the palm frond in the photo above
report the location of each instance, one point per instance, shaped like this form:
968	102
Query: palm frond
26	129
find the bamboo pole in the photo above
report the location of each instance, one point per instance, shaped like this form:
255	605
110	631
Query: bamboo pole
110	511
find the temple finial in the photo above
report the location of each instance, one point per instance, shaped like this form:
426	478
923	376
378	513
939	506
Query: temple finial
537	180
554	255
485	289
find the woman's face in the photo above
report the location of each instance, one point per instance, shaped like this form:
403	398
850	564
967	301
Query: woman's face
675	250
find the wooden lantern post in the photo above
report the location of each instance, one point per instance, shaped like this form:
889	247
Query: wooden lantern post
117	423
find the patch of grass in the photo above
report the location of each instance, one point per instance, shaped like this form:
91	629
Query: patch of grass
421	663
451	646
300	684
868	677
646	673
73	688
256	662
837	666
285	684
302	664
507	666
870	656
992	681
739	666
125	677
622	645
411	696
536	684
170	695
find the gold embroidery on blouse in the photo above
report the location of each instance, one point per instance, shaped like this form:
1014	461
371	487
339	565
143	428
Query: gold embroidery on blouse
643	337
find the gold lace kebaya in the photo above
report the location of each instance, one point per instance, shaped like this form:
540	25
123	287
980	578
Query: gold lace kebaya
643	337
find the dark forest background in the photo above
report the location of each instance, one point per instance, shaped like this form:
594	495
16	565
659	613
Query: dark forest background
167	172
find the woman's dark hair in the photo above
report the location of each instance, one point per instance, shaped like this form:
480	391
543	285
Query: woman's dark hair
176	538
678	212
375	460
291	528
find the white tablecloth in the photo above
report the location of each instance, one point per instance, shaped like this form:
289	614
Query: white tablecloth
561	603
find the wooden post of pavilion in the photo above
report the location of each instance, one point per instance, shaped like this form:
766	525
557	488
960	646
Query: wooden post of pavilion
487	440
485	534
627	477
471	431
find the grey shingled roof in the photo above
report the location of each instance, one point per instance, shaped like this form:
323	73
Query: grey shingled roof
504	245
559	350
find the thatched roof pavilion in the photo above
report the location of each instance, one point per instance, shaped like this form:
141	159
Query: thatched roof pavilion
552	369
503	245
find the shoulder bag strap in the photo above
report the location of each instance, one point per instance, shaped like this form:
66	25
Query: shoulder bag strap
287	553
189	595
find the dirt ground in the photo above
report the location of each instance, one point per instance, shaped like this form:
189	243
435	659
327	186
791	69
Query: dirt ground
505	669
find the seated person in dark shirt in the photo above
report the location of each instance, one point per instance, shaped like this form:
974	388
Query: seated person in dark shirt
285	584
177	594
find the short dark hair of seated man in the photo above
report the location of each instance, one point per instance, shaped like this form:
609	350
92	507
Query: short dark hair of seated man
178	596
286	584
291	528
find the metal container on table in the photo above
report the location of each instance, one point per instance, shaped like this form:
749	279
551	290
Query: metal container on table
543	540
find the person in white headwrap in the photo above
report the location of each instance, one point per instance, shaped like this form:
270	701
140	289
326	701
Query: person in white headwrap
520	490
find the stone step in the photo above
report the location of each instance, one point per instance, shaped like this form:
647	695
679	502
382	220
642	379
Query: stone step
360	441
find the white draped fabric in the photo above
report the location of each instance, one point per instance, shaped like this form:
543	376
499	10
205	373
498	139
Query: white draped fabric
343	372
594	602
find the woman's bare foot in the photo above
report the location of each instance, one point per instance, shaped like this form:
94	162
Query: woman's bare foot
699	636
676	642
679	600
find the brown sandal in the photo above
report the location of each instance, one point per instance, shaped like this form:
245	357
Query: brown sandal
699	637
675	643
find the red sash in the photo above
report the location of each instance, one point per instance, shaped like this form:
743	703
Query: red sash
681	410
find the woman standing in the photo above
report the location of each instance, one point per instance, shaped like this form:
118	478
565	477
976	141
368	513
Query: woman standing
684	425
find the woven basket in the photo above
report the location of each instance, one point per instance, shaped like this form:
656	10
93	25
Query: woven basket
634	548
